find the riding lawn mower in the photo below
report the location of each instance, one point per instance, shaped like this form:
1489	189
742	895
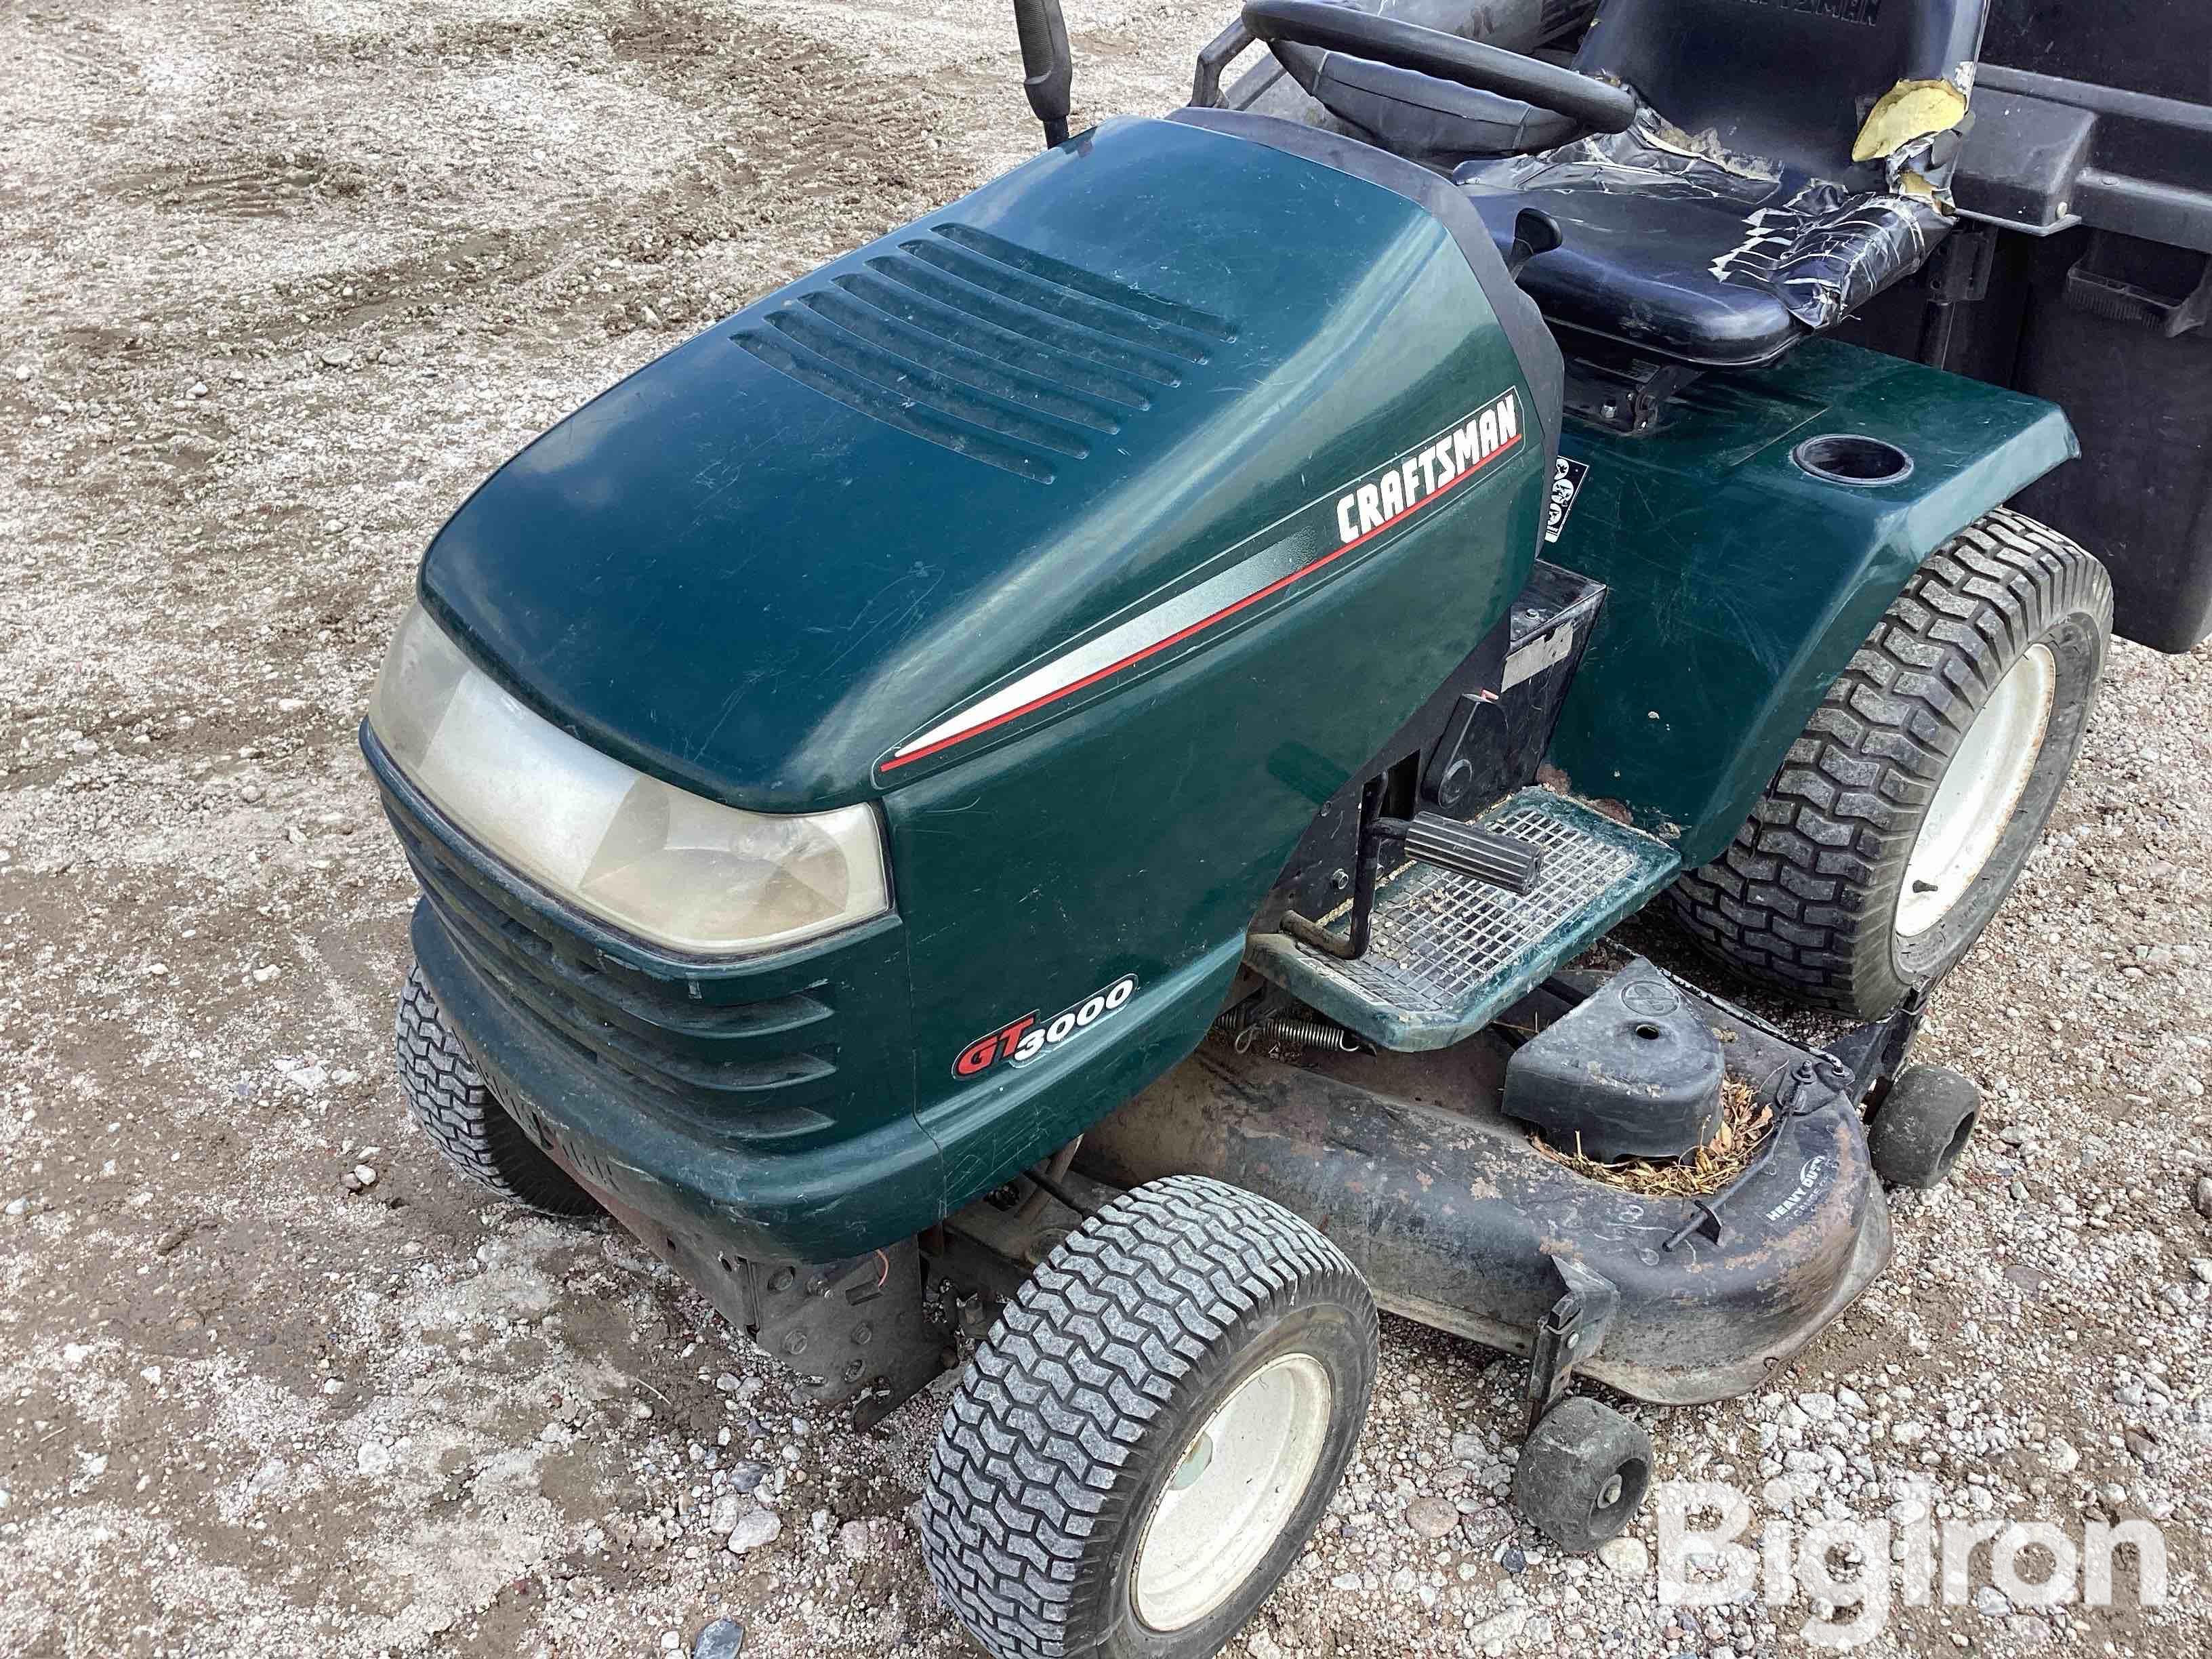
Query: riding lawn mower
1069	778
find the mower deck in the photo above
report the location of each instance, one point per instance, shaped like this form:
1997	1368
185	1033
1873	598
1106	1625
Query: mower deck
1460	1222
1449	953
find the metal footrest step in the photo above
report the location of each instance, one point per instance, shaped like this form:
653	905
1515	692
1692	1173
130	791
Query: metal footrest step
1449	953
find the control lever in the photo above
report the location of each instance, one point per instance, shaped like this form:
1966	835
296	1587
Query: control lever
1534	231
1048	67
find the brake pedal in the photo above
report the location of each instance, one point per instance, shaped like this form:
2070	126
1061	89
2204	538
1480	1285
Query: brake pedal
1501	860
1465	850
1449	950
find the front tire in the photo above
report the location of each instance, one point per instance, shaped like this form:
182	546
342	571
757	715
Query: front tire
465	1120
1150	1434
1903	816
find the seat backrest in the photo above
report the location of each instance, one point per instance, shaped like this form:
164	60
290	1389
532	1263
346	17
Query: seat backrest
1790	81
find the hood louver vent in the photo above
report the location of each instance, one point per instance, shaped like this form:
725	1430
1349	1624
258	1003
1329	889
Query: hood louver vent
992	350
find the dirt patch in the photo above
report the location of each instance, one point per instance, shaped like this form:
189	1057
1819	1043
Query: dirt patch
248	187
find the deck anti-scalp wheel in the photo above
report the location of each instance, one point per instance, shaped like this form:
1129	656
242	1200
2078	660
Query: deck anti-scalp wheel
1923	1127
1903	816
465	1121
1582	1474
1149	1435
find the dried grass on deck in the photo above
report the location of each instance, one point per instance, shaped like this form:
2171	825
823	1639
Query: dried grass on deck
1744	1124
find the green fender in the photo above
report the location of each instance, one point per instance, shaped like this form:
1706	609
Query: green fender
1741	584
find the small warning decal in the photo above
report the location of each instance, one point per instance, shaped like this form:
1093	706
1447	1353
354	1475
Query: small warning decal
1567	478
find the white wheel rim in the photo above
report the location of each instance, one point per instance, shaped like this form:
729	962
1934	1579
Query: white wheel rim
1237	1482
1978	793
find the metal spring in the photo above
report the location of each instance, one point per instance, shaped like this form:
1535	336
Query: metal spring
1313	1034
1307	1033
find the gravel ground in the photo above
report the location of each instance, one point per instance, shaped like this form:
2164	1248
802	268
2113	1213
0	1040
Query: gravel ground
281	283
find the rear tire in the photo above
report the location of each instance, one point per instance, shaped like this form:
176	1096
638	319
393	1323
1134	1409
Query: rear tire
465	1121
1150	1434
1903	816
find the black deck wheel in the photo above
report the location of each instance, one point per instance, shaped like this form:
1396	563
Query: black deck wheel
1149	1435
1901	819
1923	1127
1582	1474
464	1119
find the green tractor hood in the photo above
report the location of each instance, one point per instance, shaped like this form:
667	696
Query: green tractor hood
770	563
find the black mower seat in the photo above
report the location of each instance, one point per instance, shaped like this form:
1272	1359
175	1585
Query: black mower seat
1724	248
1639	264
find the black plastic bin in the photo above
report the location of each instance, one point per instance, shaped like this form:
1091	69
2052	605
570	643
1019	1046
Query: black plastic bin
2081	272
2141	496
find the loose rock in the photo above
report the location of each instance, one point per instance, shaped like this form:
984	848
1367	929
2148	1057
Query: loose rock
1626	1556
745	1474
1431	1516
1493	1633
760	1528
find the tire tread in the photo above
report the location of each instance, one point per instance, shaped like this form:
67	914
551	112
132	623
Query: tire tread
1795	900
463	1118
1032	1470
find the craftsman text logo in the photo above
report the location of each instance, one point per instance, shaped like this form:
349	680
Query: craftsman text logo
1327	534
1390	494
1022	1041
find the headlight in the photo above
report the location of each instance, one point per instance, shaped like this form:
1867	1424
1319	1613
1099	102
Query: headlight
646	857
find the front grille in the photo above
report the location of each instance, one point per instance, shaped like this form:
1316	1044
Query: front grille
986	348
748	1072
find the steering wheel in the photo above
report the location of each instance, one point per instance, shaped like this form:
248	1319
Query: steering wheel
1598	105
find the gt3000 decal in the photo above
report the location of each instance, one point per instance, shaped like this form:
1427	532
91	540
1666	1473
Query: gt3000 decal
1019	1041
